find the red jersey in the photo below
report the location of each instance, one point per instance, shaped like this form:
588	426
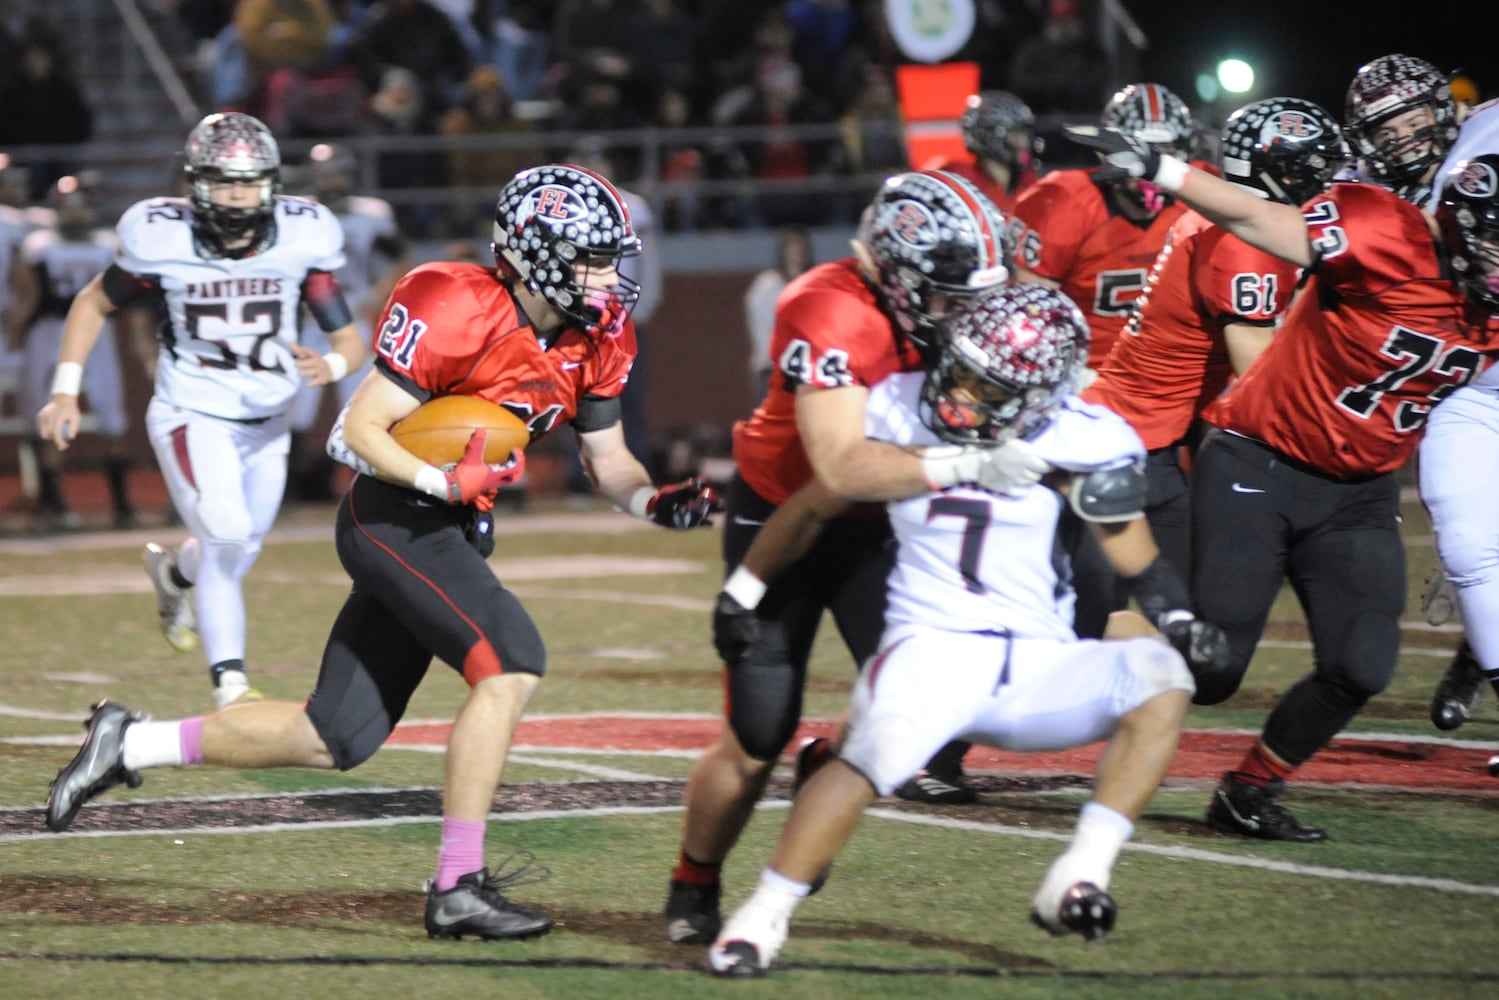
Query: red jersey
1376	338
967	168
829	333
1070	233
1171	361
451	329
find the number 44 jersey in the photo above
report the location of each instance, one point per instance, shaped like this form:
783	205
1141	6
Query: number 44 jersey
224	344
1379	335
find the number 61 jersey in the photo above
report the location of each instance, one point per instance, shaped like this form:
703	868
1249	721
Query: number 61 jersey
224	343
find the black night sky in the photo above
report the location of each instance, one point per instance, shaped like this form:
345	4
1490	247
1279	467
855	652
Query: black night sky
1311	48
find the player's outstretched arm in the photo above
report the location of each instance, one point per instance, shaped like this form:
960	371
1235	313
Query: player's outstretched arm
58	420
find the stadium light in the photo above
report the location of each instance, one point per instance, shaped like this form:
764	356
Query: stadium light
1236	76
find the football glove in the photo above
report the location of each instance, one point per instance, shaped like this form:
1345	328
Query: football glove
473	477
1202	644
1124	155
736	629
683	505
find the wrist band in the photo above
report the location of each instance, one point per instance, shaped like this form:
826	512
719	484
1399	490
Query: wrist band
67	379
640	501
432	481
744	587
338	365
1171	174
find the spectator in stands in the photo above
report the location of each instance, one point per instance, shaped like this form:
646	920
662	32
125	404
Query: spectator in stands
874	134
416	36
486	110
44	105
1063	68
283	33
663	48
519	42
399	110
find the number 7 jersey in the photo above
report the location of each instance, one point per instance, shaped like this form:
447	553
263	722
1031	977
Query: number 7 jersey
1379	335
224	346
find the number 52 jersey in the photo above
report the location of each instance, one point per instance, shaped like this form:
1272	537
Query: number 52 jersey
224	345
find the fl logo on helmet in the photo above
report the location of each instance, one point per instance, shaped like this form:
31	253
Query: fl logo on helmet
1477	180
553	203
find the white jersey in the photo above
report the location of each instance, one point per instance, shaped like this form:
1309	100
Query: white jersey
224	348
64	266
975	561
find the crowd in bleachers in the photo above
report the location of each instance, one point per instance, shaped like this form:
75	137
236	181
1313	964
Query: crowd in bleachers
331	68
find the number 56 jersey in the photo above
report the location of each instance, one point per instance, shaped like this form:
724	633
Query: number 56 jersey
224	344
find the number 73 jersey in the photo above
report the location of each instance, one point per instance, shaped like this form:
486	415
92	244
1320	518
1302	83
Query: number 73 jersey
1378	336
224	344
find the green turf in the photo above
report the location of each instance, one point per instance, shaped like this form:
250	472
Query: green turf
913	909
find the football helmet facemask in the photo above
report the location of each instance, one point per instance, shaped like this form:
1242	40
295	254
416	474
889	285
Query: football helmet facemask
1468	216
997	125
1389	87
552	221
225	148
932	238
1282	148
1008	358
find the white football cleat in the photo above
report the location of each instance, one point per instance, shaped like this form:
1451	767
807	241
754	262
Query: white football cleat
750	941
174	605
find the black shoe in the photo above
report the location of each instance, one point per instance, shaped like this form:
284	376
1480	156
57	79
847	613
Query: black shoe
1251	811
475	907
1086	909
932	790
97	767
1458	692
692	914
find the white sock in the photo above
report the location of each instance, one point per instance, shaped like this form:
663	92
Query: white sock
776	882
152	744
1100	835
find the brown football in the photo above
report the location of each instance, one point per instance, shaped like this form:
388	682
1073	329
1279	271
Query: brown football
438	431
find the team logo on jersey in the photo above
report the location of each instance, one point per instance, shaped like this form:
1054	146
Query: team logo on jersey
913	224
1289	124
1477	180
553	203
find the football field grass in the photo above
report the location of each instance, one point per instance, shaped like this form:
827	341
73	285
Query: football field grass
281	884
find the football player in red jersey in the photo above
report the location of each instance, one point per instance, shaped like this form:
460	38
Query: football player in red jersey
1210	305
925	240
545	333
999	133
1095	237
1297	480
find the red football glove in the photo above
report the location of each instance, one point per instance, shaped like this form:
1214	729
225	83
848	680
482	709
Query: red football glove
472	477
684	505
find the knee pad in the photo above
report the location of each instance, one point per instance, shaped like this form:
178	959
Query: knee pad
1469	561
350	742
225	525
879	749
765	704
1366	664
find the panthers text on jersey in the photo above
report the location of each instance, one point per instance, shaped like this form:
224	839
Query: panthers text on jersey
453	329
1170	361
224	343
1376	338
975	561
830	332
1070	234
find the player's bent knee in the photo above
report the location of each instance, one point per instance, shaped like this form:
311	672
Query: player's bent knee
879	750
349	746
1157	668
1366	664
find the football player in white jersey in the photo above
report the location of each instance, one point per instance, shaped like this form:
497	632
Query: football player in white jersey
232	263
1457	482
978	640
56	263
376	257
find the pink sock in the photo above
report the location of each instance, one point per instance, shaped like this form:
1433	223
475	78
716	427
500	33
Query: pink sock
190	737
462	851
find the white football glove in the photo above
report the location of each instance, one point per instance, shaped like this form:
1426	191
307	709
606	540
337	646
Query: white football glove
1007	468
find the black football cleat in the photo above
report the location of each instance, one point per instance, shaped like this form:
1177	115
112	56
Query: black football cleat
475	907
1085	909
1251	811
97	767
692	913
933	790
1458	692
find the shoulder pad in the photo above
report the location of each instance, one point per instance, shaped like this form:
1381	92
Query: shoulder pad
1108	495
